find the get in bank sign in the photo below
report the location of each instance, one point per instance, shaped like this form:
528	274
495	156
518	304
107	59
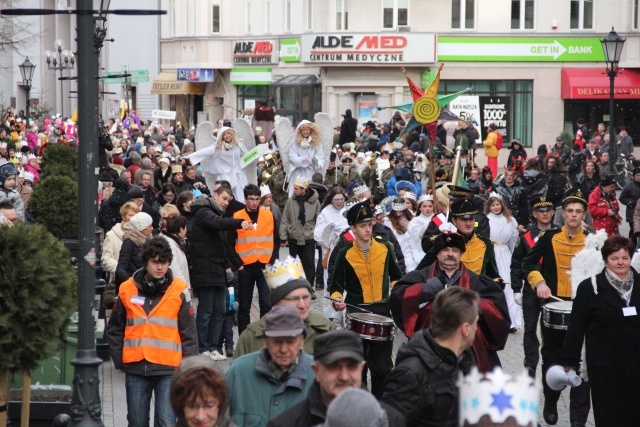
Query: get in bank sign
369	48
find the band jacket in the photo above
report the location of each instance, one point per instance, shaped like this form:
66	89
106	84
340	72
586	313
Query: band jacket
365	279
479	256
523	246
557	249
251	338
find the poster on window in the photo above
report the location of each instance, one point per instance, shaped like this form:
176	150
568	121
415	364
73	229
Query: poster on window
496	110
114	109
467	107
366	109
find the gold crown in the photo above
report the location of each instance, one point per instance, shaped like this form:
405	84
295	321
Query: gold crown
176	169
282	272
302	181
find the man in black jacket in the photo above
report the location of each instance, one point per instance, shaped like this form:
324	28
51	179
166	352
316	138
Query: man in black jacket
210	260
338	365
423	384
629	197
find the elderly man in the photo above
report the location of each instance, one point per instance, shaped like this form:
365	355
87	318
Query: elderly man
423	385
266	383
338	365
288	286
412	295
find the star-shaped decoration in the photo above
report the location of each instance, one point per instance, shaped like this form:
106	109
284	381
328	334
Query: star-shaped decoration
475	403
501	401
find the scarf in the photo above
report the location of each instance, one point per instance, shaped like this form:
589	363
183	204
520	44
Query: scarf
624	287
305	142
134	235
301	214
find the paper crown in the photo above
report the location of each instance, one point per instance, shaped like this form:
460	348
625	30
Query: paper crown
176	169
348	205
398	206
360	190
282	272
31	156
496	195
28	176
409	195
378	210
425	198
302	181
264	190
499	397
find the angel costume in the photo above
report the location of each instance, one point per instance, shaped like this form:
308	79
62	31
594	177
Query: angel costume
416	225
405	244
306	156
504	235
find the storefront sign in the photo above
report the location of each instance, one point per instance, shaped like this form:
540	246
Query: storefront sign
368	48
495	110
467	107
251	76
195	75
254	52
519	49
290	50
593	83
163	114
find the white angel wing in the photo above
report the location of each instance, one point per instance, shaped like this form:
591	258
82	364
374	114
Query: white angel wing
246	138
588	262
205	147
204	135
284	134
326	135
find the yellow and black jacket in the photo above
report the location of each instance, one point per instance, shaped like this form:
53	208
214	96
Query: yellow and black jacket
366	280
557	249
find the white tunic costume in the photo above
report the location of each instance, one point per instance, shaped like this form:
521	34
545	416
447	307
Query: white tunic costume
416	225
305	160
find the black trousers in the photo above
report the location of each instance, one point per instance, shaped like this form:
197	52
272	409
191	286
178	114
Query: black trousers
307	254
579	397
319	269
531	309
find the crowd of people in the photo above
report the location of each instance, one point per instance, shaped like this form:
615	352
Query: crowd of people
459	271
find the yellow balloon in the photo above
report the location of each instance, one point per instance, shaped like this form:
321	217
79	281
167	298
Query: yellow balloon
426	110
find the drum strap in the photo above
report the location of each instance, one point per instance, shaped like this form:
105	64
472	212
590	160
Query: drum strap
529	238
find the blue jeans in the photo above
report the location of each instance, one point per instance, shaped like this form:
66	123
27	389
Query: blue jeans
212	305
139	391
247	277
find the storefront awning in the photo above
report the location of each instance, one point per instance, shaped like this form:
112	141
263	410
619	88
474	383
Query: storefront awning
593	83
167	84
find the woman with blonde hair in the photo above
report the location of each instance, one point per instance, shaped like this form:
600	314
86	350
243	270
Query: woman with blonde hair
305	152
167	212
398	221
504	235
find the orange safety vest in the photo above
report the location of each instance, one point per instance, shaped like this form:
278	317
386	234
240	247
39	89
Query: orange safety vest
154	337
255	245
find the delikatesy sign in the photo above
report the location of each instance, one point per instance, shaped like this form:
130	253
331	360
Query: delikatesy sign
369	48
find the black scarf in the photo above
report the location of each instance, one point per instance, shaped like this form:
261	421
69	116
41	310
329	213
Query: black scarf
301	200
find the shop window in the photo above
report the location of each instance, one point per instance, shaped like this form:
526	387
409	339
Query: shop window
522	12
581	14
395	13
342	21
215	19
251	92
463	14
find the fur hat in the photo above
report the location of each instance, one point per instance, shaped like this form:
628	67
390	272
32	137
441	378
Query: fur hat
140	221
609	179
449	240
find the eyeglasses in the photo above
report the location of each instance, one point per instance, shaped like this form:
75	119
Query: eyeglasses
574	211
338	200
303	298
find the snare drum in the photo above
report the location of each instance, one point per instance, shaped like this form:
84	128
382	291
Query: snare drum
556	315
371	326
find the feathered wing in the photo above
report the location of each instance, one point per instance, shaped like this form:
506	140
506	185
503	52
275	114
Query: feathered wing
325	127
247	142
205	147
284	135
204	135
588	262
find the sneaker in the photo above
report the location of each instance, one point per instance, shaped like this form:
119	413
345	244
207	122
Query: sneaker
217	356
206	353
229	352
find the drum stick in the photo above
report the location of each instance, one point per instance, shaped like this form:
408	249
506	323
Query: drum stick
556	298
349	305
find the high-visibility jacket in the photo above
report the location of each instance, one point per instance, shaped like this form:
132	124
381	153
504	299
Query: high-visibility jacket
154	337
255	245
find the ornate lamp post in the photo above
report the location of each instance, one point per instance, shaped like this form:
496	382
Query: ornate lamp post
612	46
60	59
26	70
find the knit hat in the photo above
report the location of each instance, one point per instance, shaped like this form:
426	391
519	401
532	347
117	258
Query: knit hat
117	161
146	163
356	408
283	277
264	190
140	221
7	170
135	156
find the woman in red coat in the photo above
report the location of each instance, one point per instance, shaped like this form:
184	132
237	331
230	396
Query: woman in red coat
604	207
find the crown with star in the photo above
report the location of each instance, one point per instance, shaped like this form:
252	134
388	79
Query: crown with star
282	272
499	397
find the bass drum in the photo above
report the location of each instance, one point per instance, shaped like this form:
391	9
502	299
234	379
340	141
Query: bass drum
371	326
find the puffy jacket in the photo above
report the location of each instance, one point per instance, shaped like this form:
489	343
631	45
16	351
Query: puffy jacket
534	183
422	386
109	214
490	149
111	249
291	228
599	206
209	251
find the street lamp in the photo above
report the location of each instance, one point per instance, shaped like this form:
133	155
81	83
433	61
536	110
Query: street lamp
612	46
27	69
60	59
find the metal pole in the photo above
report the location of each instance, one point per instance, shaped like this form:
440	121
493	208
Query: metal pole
61	94
28	90
613	149
86	407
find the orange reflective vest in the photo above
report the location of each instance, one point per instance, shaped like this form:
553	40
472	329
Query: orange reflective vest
154	337
255	245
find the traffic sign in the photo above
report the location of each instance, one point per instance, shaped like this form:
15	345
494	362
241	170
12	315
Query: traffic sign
137	76
520	49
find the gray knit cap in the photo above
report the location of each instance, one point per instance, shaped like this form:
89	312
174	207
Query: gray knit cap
356	408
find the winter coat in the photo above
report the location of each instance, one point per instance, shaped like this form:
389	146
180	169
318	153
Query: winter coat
160	178
516	153
179	265
129	260
209	254
111	249
599	206
575	165
321	190
13	197
185	322
423	384
348	130
534	183
384	139
557	185
586	184
515	201
291	228
490	149
109	214
563	153
625	145
629	197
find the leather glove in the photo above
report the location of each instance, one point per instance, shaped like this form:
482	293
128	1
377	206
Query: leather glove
433	286
517	297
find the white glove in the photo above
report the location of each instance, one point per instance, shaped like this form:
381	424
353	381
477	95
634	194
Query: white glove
517	297
447	226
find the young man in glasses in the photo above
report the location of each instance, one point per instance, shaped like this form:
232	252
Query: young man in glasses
547	270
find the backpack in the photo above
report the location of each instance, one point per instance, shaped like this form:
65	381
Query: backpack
499	140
